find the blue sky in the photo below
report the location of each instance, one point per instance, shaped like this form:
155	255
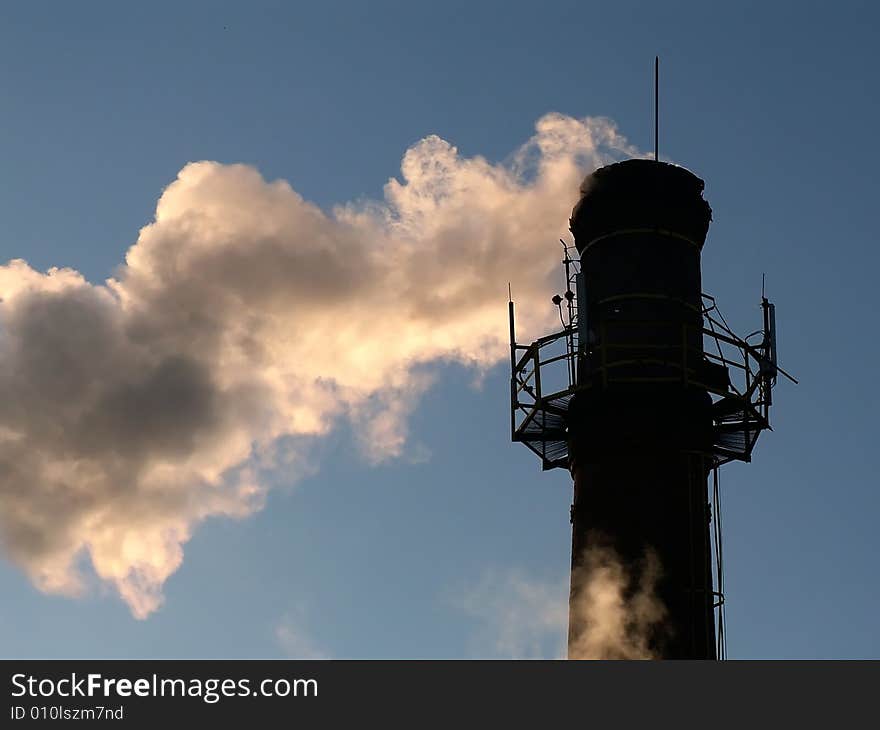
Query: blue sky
774	106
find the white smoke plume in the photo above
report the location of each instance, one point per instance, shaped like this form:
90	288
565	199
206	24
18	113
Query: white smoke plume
132	410
614	613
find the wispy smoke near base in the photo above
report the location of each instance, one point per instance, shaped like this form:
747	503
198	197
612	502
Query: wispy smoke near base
615	613
293	641
518	615
609	610
245	317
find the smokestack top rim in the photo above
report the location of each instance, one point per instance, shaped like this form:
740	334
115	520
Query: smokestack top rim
641	193
641	171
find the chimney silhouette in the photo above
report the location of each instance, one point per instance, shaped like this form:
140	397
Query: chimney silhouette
628	400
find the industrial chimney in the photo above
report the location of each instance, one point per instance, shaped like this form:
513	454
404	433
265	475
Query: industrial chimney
626	397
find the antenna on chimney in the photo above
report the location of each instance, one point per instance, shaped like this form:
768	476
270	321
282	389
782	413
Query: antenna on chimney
656	106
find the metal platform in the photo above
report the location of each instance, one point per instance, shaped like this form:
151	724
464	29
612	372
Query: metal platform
739	376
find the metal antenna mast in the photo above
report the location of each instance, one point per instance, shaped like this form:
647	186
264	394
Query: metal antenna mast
656	107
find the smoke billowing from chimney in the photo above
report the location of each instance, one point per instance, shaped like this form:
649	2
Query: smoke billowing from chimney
244	319
615	613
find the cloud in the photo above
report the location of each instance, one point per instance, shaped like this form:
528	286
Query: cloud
245	317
